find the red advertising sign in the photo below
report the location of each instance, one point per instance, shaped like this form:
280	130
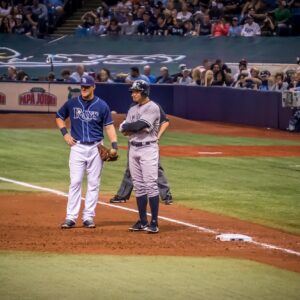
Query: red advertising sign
2	99
37	97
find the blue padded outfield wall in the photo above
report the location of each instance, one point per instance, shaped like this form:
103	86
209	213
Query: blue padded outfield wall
219	104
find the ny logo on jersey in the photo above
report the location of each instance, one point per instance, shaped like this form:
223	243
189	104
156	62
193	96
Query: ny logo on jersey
135	117
85	115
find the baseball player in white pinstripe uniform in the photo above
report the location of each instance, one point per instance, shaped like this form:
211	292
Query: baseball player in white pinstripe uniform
142	126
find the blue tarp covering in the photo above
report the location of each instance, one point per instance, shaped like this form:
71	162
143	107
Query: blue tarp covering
119	53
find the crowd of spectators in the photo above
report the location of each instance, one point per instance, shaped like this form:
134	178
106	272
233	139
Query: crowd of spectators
209	73
152	17
191	18
30	17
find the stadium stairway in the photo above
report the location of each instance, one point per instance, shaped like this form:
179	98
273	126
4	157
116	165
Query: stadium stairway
69	25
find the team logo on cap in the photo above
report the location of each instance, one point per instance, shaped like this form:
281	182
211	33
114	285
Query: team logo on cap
138	85
83	80
142	86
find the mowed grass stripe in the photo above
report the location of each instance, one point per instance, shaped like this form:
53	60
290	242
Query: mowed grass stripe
50	276
170	138
180	139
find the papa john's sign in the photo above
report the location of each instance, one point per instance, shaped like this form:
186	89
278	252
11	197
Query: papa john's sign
37	97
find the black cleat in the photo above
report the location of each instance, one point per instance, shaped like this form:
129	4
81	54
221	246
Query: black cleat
67	224
152	228
117	199
138	226
89	224
168	200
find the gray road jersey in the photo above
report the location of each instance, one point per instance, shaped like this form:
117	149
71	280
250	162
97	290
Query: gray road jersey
148	113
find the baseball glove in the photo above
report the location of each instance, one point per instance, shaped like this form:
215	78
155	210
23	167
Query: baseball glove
107	154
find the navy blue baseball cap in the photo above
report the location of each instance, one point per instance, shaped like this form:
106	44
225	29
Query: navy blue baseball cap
87	80
265	73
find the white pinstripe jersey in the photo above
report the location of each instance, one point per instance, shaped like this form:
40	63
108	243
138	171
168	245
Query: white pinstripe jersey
148	113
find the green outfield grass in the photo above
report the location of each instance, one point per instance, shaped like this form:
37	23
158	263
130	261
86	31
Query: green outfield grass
48	276
263	190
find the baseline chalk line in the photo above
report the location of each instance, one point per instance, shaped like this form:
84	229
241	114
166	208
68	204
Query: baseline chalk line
200	228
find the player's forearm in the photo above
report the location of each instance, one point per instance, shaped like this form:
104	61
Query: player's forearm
135	126
162	129
111	133
60	123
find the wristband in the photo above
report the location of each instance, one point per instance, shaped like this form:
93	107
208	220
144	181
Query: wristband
114	145
63	131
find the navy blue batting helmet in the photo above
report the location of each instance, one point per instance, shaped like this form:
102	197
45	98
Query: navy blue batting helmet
142	86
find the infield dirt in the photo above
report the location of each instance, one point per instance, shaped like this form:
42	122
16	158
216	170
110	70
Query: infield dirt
32	222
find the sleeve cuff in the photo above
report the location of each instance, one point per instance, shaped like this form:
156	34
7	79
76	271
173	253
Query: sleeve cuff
60	116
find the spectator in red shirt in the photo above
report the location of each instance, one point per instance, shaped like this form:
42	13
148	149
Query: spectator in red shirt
220	28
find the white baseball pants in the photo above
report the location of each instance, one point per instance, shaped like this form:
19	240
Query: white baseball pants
84	158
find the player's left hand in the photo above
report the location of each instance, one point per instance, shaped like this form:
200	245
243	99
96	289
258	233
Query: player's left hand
107	154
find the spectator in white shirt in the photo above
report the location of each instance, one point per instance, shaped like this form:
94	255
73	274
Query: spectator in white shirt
185	79
79	73
250	28
129	27
98	29
184	14
280	84
5	9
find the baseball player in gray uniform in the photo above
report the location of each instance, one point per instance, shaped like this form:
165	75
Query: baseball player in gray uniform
142	126
126	186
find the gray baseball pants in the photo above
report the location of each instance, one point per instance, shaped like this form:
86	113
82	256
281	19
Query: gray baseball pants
143	166
126	186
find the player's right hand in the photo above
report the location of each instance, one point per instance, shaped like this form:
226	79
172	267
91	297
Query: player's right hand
121	126
69	139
